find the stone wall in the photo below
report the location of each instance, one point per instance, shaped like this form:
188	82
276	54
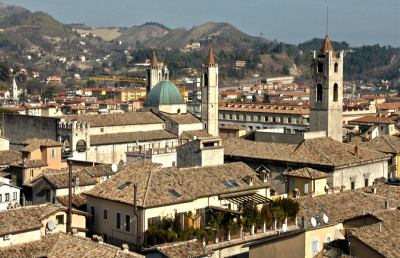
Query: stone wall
19	128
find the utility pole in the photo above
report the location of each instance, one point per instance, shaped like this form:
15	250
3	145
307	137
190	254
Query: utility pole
69	216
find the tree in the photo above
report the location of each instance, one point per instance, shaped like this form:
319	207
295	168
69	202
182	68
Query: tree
254	97
266	98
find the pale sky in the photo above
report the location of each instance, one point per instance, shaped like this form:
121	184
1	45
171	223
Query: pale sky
355	21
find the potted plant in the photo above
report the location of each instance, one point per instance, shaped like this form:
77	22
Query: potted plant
266	216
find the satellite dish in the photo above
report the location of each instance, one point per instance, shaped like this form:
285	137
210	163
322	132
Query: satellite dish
50	225
313	222
284	227
325	218
114	168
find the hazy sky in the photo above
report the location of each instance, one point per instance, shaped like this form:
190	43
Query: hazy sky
356	21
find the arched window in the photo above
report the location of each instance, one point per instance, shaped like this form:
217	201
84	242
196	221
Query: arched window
335	92
320	67
319	93
336	67
81	146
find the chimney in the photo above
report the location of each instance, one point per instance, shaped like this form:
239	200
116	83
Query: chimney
98	239
374	190
386	204
380	226
74	231
356	151
125	247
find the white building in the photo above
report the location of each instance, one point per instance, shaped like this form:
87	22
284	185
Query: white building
9	194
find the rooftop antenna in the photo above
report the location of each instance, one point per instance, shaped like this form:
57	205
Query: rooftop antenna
327	20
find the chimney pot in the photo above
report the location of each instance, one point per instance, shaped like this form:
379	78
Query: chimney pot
125	247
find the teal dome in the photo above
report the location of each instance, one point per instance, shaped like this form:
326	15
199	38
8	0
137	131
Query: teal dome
164	93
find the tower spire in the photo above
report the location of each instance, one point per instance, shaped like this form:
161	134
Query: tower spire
211	60
154	62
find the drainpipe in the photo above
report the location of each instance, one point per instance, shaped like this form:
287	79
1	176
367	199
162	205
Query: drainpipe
69	215
136	214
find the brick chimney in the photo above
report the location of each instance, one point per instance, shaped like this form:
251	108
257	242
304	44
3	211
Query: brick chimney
356	151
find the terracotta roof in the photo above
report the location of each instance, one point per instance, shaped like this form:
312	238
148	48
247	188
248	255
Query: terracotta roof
344	205
265	109
61	179
383	237
8	157
66	246
78	200
384	190
99	170
319	151
131	118
33	144
131	137
326	46
191	135
232	127
26	163
373	120
388	106
187	118
25	218
191	248
385	144
163	186
307	173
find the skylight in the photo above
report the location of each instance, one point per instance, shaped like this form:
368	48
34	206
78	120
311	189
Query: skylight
231	184
175	193
123	185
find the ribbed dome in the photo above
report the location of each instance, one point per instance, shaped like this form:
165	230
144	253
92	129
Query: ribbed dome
164	93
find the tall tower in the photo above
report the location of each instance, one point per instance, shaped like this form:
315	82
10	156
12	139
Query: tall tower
326	96
14	90
209	95
154	73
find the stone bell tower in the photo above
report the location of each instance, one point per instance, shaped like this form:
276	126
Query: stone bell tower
209	95
326	91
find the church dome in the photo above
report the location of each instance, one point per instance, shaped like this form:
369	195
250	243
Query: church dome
164	93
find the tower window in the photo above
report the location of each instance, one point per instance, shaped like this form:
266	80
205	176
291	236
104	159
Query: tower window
320	67
336	69
319	93
335	92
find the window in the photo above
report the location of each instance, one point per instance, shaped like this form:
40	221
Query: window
314	247
31	173
1	197
127	223
353	185
53	153
336	68
60	219
7	197
306	188
320	67
319	93
15	196
366	182
118	220
93	212
105	214
335	92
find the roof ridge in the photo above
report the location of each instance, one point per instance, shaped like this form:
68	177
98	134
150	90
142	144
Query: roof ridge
391	146
147	187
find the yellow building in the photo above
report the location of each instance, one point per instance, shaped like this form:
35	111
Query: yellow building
306	181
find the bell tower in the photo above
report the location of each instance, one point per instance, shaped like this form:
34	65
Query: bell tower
326	91
154	73
209	95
